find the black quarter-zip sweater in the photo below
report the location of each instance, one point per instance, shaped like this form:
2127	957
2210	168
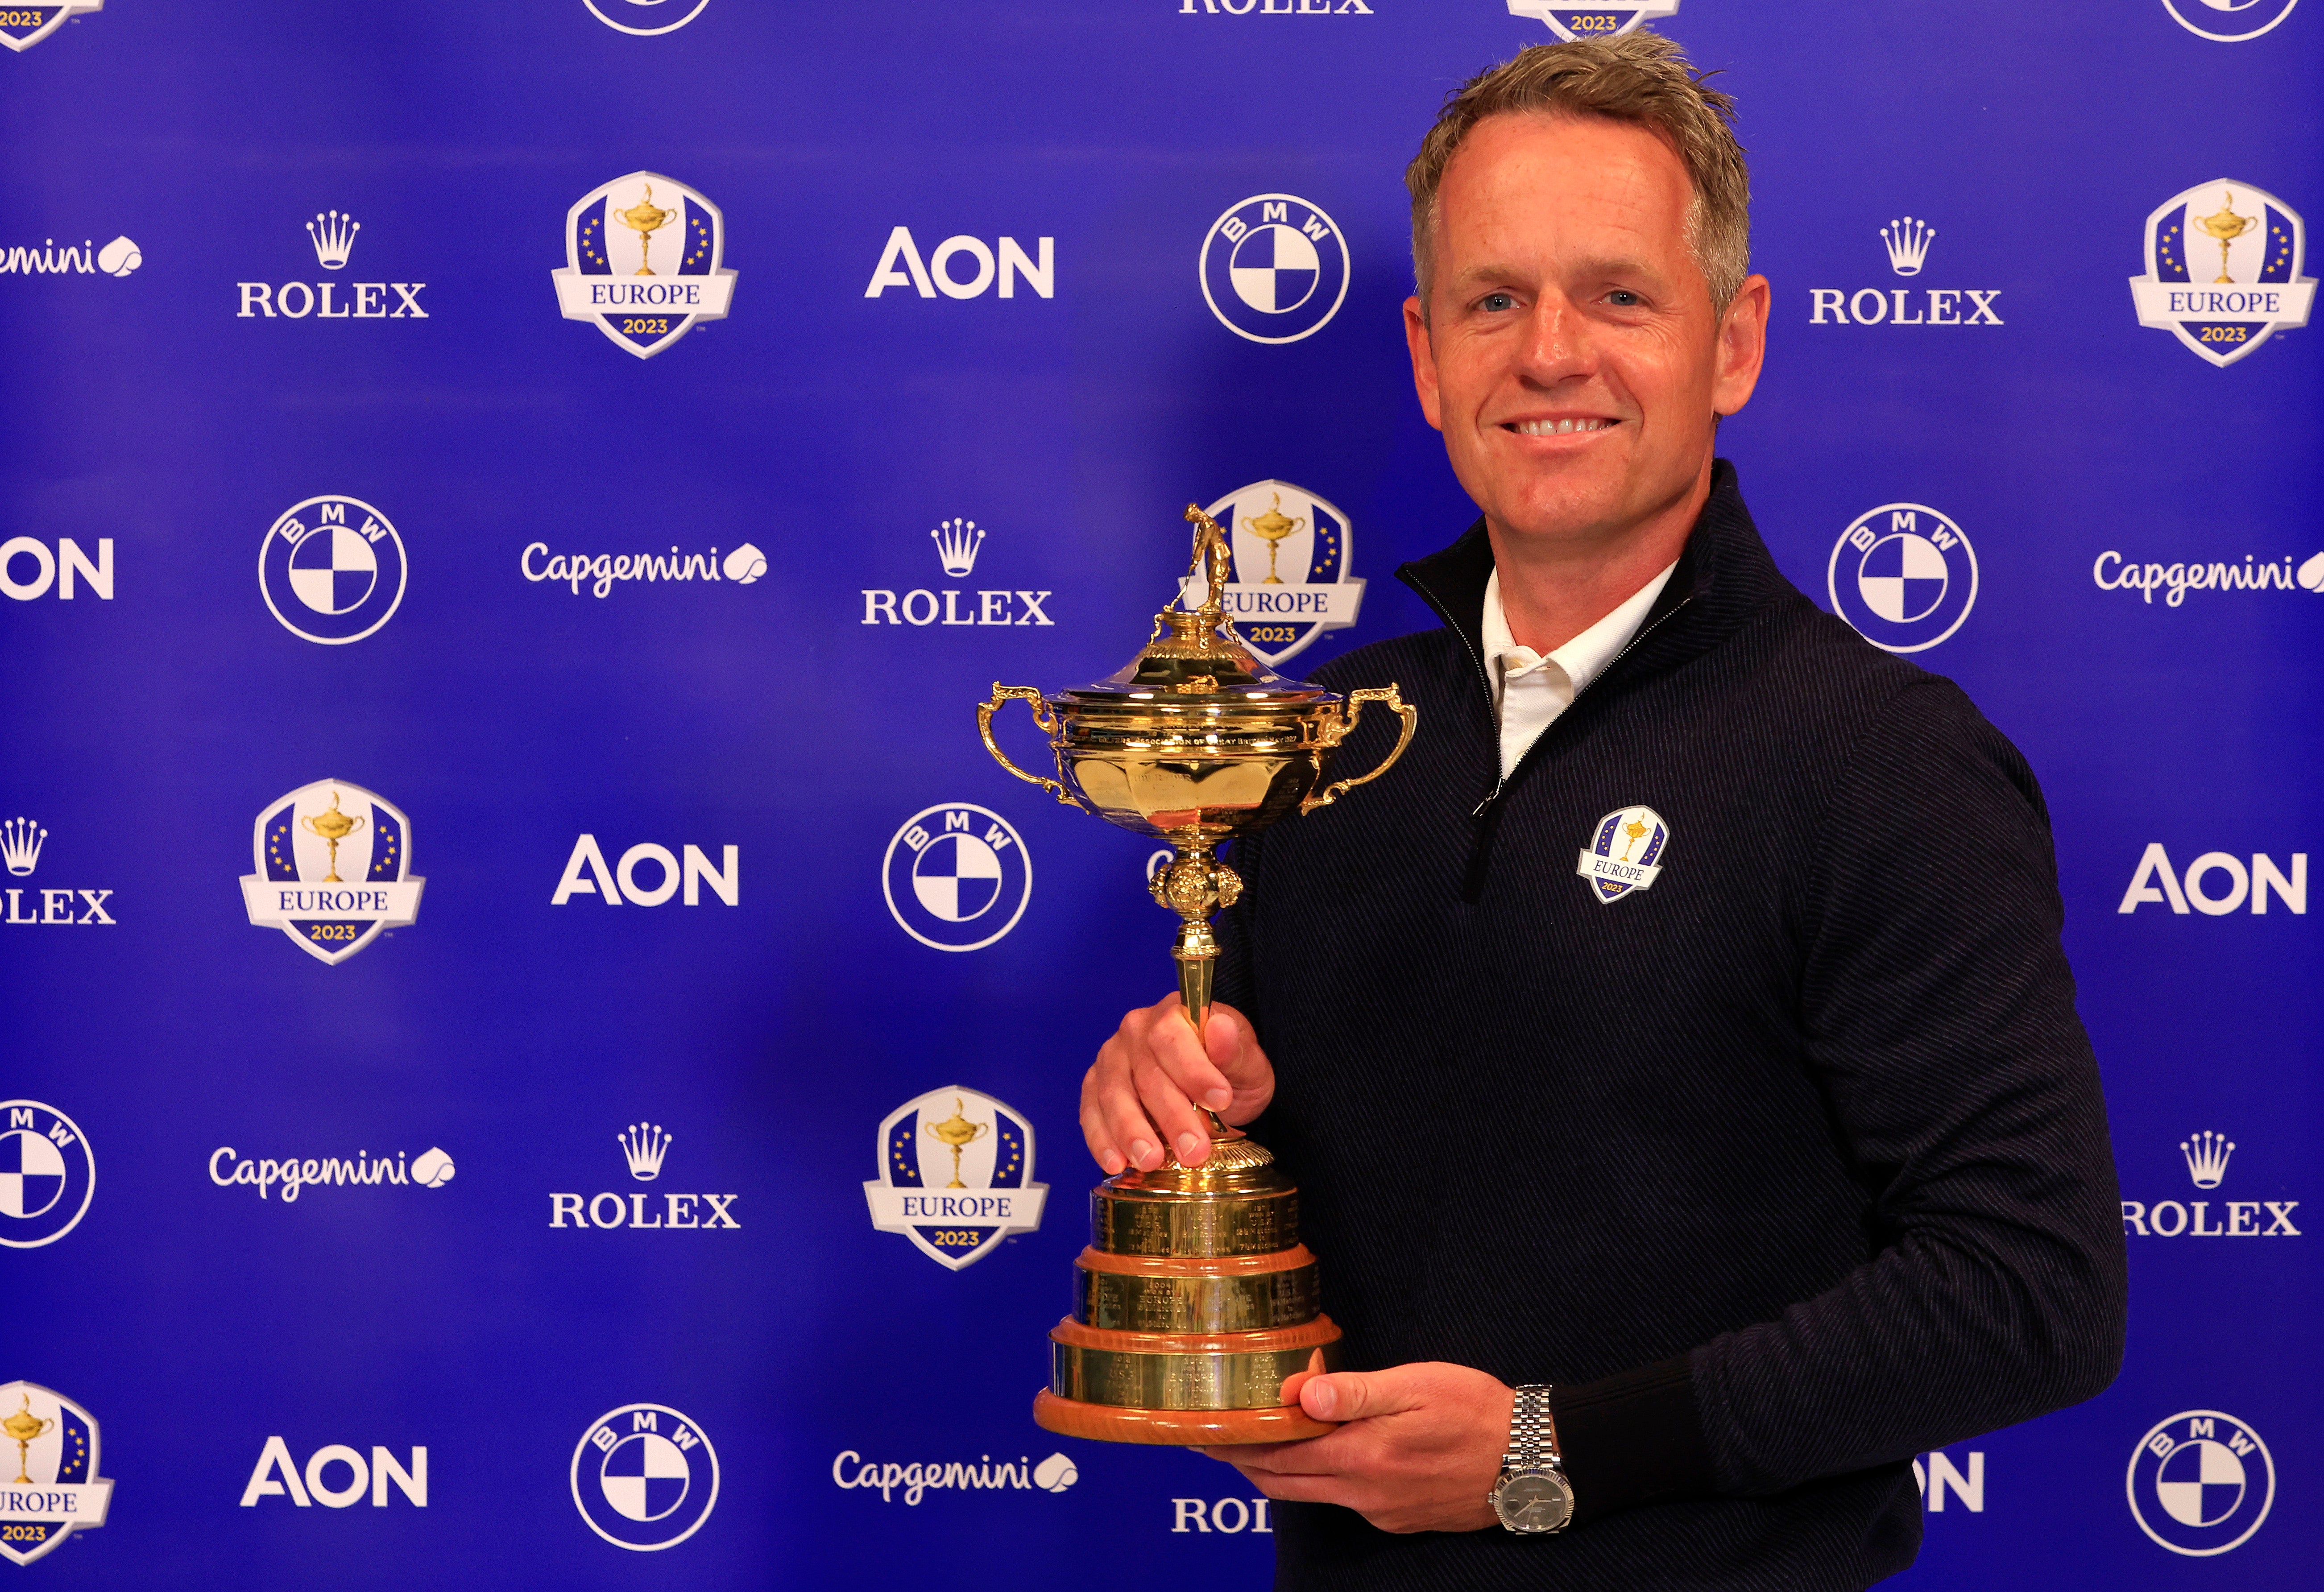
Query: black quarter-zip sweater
1783	1169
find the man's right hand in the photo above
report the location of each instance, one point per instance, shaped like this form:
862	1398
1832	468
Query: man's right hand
1150	1077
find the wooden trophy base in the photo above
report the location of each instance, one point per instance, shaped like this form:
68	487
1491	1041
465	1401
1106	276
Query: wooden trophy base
1182	1428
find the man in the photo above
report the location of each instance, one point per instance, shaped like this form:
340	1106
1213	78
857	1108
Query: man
1765	1137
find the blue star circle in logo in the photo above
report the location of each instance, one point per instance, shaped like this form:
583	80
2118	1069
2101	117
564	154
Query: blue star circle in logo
957	877
1274	268
1903	576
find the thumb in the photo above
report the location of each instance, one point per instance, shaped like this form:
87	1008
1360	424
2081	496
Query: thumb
1352	1395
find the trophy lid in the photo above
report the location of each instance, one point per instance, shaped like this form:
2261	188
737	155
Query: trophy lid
1193	658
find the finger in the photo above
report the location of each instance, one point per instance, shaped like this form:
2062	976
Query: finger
1169	1109
1234	1050
1300	1489
1190	1065
1353	1395
1102	1148
1122	1116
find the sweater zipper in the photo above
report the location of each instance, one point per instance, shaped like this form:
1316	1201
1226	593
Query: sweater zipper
1502	783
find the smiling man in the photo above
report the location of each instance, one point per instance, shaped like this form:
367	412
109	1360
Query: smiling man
1677	1057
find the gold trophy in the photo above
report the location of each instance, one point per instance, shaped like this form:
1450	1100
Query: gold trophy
642	218
2226	225
24	1426
1195	1302
958	1132
331	828
1272	527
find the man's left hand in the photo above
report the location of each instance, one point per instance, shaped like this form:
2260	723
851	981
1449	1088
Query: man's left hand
1418	1450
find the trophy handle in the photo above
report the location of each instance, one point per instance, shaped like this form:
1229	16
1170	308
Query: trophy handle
1386	695
1041	716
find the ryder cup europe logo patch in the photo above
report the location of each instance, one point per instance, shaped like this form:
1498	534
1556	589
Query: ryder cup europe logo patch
1290	579
2256	245
1593	22
333	868
955	1175
56	1490
332	569
2200	1483
642	261
1903	576
24	26
1274	268
1624	853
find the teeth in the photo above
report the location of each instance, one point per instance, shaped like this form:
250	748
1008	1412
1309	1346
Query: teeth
1559	427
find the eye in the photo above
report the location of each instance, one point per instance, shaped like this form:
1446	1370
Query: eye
1494	303
1625	299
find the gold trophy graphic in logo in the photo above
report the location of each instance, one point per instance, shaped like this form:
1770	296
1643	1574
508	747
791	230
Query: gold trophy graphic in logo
331	828
2226	225
24	1427
957	1132
1273	525
1195	1304
643	219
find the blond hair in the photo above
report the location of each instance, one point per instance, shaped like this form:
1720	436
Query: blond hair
1641	79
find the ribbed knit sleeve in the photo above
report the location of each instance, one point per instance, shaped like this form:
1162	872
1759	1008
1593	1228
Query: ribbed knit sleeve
1938	1014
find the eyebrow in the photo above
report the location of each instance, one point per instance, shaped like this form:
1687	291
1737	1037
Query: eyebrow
1608	266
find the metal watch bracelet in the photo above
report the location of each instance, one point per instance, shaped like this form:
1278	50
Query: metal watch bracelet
1533	1435
1531	1496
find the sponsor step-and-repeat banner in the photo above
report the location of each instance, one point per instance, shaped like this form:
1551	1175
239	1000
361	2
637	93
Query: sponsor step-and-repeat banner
635	1169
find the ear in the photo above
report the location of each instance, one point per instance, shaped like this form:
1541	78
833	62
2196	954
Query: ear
1742	347
1424	360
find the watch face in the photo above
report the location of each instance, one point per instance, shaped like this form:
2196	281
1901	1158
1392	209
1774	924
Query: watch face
1533	1501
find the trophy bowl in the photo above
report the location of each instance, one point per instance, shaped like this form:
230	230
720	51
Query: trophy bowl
1195	1306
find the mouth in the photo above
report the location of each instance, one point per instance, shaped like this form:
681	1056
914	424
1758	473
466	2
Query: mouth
1566	426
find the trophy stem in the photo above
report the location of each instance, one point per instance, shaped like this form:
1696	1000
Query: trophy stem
1198	956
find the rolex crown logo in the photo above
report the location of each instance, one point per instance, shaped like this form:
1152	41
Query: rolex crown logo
2207	1158
1908	244
20	845
334	236
645	1143
958	541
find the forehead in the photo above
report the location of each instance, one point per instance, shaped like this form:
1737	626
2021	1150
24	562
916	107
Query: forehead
1528	182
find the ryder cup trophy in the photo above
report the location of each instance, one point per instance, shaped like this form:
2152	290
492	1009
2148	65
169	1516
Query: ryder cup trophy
1195	1302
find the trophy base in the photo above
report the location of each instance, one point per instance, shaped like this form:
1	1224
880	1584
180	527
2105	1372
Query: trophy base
1111	1423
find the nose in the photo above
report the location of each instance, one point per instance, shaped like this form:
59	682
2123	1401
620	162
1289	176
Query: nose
1558	347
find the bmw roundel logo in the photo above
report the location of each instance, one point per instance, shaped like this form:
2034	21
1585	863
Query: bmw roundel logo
1904	575
957	876
2200	1483
332	570
47	1174
644	1477
1275	268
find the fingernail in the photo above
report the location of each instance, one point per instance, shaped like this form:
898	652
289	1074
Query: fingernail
1219	1099
1318	1396
1139	1150
1189	1146
1112	1162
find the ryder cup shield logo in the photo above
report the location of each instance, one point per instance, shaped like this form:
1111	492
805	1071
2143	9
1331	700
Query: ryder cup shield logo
644	1477
56	1490
47	1174
332	569
1904	575
2255	242
1274	268
1291	555
1592	22
642	261
1624	853
24	26
2200	1483
957	876
333	868
955	1175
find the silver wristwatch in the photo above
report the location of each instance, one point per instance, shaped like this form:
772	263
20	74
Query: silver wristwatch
1532	1496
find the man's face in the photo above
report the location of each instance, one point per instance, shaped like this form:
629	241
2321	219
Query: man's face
1569	352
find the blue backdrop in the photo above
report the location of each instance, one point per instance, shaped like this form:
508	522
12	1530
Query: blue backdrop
486	751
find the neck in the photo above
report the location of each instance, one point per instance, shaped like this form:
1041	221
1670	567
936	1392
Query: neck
1554	588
